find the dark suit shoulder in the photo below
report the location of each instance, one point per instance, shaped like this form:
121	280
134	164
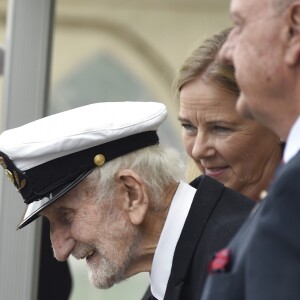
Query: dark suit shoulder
229	198
215	216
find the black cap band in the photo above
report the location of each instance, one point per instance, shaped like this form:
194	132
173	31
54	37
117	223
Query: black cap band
56	174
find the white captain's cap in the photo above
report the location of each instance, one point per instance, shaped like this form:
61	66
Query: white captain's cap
48	157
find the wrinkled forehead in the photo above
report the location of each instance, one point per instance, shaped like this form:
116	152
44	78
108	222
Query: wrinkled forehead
252	8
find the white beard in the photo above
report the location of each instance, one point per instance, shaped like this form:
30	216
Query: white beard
108	272
103	276
110	268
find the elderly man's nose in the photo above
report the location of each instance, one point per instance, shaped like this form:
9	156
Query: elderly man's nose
62	244
225	53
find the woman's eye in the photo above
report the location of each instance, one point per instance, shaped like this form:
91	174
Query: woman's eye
189	129
188	126
222	129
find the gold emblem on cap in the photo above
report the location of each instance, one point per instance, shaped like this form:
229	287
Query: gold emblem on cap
20	185
9	175
99	160
2	163
13	177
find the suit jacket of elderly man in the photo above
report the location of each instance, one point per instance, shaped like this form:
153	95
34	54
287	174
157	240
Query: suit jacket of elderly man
264	256
215	216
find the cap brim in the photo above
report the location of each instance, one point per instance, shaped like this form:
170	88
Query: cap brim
33	209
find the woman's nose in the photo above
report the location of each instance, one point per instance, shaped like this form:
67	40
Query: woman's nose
203	147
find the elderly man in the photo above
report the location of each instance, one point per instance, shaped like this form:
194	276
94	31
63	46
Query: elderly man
113	196
263	260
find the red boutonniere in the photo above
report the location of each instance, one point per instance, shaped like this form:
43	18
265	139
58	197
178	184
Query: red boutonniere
220	262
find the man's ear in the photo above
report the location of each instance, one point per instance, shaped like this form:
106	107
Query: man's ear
292	56
135	198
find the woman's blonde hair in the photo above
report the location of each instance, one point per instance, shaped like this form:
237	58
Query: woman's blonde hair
204	62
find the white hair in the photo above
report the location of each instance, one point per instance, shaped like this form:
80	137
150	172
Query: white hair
158	166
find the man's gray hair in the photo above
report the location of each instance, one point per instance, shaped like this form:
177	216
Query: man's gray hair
158	166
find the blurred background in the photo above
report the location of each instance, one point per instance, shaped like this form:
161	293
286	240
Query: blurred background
96	50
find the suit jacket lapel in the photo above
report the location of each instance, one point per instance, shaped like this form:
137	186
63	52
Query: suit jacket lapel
206	198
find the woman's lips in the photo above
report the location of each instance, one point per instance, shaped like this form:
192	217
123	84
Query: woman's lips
215	172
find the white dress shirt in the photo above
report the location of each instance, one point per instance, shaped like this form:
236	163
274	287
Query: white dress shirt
163	257
293	142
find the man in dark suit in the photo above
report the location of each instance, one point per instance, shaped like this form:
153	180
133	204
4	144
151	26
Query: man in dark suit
113	196
262	262
214	217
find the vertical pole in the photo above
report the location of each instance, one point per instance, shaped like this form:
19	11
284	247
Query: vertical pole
26	85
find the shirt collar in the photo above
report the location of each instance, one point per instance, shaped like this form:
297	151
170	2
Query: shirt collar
163	257
293	142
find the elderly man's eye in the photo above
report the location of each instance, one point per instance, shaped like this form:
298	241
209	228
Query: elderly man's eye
66	217
237	27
